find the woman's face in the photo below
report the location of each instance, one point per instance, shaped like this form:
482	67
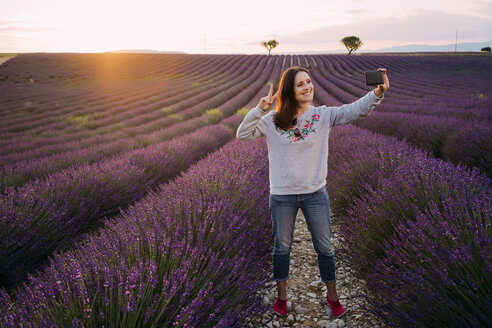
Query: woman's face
303	88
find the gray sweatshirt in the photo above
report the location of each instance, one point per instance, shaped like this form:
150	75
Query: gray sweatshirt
299	165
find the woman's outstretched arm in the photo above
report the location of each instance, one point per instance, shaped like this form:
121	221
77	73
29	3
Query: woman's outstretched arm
360	108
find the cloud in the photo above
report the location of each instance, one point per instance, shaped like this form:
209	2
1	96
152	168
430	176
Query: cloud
15	26
420	26
22	35
356	12
484	7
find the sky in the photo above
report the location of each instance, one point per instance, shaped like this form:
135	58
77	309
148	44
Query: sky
227	26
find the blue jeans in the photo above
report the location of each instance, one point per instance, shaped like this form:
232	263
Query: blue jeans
316	210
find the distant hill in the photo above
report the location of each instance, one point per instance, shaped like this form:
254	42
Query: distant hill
465	46
145	51
462	47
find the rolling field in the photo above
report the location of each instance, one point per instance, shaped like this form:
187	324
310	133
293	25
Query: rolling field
125	199
6	56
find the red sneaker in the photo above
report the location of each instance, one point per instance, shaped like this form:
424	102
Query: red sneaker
336	308
280	306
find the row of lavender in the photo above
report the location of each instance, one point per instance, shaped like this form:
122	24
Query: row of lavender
465	141
52	101
197	76
452	94
50	71
77	199
453	139
339	66
417	229
112	117
354	89
373	166
50	214
415	76
195	105
412	96
122	119
462	94
189	71
192	254
16	174
50	68
115	103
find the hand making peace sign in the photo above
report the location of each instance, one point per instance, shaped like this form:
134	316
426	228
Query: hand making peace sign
267	101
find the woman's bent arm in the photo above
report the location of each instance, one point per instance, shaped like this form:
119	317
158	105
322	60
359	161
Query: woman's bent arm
248	129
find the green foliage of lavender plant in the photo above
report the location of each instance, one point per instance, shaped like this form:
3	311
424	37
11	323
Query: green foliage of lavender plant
166	110
242	111
213	115
176	118
83	120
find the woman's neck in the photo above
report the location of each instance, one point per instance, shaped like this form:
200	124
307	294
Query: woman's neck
302	108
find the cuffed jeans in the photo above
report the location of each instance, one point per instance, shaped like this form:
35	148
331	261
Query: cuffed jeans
316	210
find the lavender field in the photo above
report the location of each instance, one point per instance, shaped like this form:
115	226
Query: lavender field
125	200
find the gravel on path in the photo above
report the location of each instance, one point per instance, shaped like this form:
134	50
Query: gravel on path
306	294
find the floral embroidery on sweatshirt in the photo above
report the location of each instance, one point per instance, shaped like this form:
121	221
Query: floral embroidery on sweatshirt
306	129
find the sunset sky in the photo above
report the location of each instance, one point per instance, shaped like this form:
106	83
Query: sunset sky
236	26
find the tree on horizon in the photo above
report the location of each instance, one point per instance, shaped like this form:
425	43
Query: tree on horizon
269	45
352	43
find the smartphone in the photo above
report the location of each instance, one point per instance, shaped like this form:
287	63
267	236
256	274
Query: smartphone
374	77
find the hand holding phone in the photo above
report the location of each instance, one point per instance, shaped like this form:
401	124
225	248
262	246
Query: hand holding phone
374	77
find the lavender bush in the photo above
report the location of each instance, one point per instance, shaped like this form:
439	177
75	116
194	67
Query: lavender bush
45	215
95	97
14	175
416	228
196	109
124	125
192	254
465	142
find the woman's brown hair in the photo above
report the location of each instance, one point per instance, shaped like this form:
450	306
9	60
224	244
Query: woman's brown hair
286	100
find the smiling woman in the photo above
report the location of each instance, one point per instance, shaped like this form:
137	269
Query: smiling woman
292	104
297	137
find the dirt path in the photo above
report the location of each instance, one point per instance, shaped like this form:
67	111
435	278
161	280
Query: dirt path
307	294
